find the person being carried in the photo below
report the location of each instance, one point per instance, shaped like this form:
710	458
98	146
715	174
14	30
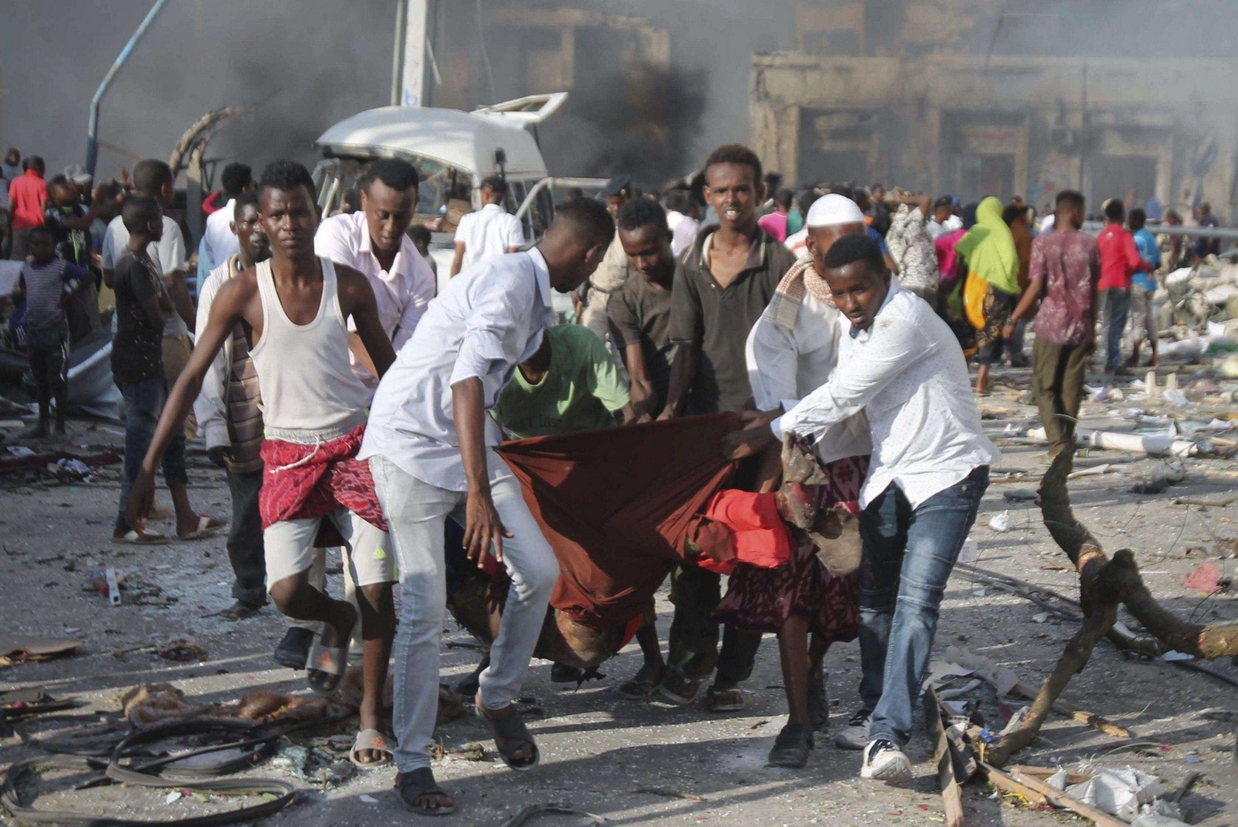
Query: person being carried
489	232
230	416
792	350
900	364
431	451
47	284
296	307
1062	276
70	224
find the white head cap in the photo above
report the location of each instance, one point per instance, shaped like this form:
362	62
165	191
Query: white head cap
832	210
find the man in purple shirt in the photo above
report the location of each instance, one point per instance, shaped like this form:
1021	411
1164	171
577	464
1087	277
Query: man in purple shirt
1065	270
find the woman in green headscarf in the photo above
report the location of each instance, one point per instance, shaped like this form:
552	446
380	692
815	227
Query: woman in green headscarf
992	286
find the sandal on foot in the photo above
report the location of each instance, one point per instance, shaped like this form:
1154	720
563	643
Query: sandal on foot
419	783
680	689
241	610
375	741
510	734
207	526
791	747
327	663
638	690
730	699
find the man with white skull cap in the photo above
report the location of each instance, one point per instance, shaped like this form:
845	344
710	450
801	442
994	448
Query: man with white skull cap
791	351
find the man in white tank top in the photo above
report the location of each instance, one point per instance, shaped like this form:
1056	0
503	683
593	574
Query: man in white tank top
431	450
297	306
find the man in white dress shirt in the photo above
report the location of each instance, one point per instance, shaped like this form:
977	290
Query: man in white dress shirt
431	451
900	364
489	232
374	240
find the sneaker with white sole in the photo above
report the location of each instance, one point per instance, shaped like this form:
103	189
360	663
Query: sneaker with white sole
884	761
855	734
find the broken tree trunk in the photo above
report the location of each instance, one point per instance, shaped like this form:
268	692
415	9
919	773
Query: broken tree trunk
1104	584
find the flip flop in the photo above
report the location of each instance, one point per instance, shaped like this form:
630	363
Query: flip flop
638	690
410	785
207	526
374	740
510	734
326	664
144	538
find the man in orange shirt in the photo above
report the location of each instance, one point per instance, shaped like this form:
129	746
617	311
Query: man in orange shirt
27	196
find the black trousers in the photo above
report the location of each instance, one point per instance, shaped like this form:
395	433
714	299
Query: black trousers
245	549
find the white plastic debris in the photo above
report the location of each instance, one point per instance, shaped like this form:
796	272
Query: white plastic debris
368	799
970	552
175	795
1119	792
1159	813
1000	522
1173	655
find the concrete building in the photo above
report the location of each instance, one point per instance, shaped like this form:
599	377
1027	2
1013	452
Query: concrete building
907	93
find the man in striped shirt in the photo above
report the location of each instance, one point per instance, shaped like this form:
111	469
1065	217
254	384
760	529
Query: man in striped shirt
228	414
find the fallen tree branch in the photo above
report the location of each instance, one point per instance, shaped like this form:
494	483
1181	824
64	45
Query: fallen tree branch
1104	584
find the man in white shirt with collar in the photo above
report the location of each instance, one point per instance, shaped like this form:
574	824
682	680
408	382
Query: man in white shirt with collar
218	240
489	232
900	364
431	451
374	241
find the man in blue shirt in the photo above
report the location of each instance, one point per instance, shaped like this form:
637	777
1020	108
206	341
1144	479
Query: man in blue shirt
1143	288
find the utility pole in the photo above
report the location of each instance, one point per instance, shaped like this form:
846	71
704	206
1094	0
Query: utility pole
92	126
408	66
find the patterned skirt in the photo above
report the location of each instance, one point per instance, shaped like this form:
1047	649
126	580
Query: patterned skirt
762	599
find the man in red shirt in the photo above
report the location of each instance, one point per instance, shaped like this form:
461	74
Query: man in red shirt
1119	260
27	195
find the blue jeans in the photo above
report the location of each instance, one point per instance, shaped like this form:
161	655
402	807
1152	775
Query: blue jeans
144	402
908	556
1117	307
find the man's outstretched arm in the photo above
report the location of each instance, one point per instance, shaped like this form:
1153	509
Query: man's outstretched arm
225	313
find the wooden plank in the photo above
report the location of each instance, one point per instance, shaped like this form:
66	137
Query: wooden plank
1007	784
951	792
1029	787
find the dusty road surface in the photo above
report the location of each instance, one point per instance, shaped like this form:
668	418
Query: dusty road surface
636	763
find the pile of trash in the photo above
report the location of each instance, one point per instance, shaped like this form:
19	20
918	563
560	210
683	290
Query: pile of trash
1191	297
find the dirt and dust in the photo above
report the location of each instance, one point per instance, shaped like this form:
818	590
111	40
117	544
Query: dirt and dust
643	763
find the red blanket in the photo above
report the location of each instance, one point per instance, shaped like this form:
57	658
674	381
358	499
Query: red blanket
616	506
301	481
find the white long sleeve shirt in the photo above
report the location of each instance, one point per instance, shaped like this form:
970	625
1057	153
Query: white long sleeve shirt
784	366
486	321
211	407
907	373
402	293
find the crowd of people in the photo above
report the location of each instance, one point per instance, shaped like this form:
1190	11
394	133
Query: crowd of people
353	404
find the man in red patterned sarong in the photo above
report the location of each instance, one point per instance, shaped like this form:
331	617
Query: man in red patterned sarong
296	307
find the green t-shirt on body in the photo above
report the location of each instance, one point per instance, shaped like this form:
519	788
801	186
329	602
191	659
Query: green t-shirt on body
581	391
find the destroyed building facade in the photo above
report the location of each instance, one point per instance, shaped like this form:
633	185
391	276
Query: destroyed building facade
966	97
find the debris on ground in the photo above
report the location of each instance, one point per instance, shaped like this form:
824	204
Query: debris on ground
155	704
17	649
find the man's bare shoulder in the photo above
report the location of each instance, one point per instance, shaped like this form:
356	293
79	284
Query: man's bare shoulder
239	288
